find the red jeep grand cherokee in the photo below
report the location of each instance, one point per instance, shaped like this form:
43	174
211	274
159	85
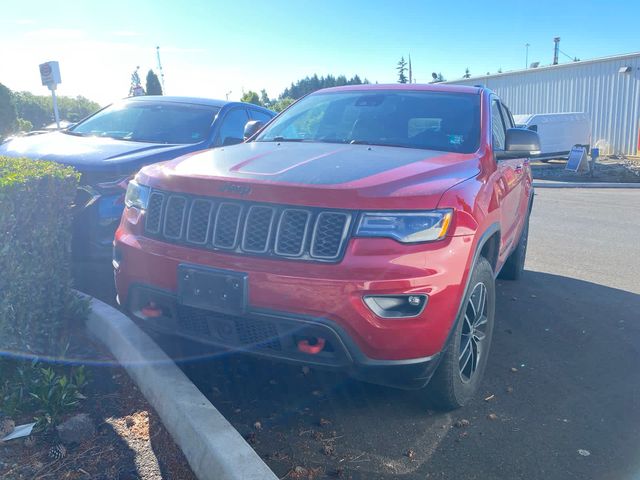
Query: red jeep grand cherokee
362	229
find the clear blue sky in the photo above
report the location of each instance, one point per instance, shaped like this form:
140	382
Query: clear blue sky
212	47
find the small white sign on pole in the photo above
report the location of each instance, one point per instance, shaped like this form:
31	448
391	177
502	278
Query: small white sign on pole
50	76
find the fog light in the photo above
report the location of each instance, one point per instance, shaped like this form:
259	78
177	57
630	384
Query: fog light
414	300
396	306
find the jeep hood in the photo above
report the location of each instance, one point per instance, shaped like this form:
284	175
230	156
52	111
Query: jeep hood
91	154
317	174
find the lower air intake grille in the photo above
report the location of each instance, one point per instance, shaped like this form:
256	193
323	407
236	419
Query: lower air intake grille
258	334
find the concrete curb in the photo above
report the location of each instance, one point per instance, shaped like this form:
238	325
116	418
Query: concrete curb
552	184
214	449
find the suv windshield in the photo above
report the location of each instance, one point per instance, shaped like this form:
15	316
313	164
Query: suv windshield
171	123
431	120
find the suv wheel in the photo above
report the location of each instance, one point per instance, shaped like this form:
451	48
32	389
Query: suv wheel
465	358
514	266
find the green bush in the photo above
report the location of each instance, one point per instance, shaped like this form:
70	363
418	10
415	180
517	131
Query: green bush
45	392
37	303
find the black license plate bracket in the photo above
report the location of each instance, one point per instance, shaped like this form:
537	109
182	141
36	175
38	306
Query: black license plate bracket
222	291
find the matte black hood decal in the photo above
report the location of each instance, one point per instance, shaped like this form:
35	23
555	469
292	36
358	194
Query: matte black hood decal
312	164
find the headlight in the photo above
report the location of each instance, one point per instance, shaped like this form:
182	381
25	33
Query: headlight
137	195
407	227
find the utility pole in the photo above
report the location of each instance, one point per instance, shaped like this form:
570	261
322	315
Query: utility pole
228	93
556	50
526	57
160	70
410	72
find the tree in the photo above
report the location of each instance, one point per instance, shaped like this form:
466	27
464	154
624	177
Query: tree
281	104
24	125
467	74
437	77
311	84
8	114
265	101
402	70
153	84
251	97
38	109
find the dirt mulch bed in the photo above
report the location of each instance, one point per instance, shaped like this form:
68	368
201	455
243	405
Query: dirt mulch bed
130	442
608	169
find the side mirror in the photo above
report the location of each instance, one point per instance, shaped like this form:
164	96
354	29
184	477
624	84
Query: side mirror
251	128
520	143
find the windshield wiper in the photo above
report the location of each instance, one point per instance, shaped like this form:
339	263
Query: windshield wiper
75	134
284	139
378	144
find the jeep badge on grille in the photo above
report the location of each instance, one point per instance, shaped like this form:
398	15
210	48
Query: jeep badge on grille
234	188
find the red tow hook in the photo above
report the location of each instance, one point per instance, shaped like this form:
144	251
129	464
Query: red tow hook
312	346
151	311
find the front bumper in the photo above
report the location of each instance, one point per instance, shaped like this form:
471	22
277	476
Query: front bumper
276	334
331	292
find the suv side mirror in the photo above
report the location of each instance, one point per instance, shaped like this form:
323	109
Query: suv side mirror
520	143
251	128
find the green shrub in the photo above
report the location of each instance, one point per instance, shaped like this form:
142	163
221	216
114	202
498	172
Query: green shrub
46	392
36	299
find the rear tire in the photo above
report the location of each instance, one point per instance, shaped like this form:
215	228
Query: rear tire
464	359
514	266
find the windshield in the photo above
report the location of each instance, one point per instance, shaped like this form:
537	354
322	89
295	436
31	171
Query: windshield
170	123
448	122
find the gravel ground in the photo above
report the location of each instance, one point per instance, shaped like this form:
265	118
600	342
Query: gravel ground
608	169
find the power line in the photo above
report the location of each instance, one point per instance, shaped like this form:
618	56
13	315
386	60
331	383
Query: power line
568	56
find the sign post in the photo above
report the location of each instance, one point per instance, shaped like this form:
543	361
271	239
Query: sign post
50	76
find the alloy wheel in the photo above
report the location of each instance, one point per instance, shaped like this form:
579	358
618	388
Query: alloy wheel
473	332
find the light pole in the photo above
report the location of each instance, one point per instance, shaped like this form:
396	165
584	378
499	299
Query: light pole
526	58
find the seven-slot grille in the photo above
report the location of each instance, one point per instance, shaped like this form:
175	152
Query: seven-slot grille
248	227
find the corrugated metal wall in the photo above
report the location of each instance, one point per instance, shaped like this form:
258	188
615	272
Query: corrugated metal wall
596	87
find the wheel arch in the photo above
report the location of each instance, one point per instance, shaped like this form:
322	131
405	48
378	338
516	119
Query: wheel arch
492	232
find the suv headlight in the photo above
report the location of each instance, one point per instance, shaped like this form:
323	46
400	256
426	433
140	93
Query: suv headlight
409	227
137	195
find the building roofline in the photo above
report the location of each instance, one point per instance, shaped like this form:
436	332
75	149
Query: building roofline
547	67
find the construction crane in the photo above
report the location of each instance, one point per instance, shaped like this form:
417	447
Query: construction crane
160	70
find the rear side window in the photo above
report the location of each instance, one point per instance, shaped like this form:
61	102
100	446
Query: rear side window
497	127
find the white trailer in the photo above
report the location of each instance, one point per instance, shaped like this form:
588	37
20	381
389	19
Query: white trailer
559	132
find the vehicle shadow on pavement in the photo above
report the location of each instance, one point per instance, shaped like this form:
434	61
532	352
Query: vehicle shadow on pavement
562	377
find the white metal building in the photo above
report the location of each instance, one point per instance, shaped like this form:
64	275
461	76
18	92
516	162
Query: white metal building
608	89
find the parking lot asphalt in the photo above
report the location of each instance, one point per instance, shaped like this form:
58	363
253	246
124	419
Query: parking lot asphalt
561	395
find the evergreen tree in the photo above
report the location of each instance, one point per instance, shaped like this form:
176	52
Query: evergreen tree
402	71
153	84
467	74
311	84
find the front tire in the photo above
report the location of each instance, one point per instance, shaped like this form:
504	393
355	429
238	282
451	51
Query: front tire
465	357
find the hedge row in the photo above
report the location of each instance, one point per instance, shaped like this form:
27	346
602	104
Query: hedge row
36	299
